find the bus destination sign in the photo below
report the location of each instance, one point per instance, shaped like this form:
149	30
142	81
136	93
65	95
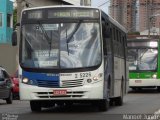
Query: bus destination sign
73	13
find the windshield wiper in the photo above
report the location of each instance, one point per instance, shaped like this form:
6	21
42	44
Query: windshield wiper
145	50
67	42
74	31
46	36
68	39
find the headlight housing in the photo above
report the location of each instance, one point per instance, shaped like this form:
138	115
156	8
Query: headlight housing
25	80
95	79
29	82
154	76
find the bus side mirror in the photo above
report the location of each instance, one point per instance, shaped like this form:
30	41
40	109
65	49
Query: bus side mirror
14	38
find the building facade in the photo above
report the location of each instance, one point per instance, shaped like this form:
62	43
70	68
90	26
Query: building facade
6	21
147	10
125	12
7	52
136	15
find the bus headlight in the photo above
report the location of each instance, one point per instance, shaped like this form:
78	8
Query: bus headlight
25	80
154	76
28	81
97	78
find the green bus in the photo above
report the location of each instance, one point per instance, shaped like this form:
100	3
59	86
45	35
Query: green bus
144	68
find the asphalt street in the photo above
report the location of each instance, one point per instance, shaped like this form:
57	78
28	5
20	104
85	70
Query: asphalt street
144	102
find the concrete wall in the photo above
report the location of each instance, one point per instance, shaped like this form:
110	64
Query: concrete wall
8	58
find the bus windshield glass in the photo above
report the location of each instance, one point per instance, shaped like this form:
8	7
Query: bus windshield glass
142	59
61	45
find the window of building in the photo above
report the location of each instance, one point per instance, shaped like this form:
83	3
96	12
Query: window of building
9	20
0	19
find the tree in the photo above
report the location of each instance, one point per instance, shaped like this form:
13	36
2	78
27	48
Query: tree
14	16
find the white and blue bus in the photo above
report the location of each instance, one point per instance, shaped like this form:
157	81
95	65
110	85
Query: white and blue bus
71	55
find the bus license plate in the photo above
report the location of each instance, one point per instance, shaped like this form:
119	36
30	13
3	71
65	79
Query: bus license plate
138	81
59	92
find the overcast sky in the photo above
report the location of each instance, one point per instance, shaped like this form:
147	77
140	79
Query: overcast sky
103	4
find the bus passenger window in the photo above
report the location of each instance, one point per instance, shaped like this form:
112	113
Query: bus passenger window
107	33
105	29
120	37
117	35
114	34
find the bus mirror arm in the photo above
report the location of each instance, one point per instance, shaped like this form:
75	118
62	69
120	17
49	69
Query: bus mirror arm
14	35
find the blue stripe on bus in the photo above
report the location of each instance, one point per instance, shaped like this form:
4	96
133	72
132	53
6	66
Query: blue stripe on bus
40	76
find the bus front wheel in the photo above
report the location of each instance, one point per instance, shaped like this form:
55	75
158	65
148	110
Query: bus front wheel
35	106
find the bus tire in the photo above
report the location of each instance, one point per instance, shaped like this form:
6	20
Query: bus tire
158	88
35	106
119	101
103	105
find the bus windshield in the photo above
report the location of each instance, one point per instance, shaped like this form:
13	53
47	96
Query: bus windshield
142	59
61	45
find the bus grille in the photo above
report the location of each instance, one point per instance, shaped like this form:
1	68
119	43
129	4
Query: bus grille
75	94
71	83
64	83
48	83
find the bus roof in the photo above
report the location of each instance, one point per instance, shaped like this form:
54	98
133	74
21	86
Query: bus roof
59	6
114	22
117	23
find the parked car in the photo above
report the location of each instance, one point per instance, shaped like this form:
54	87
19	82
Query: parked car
15	88
5	86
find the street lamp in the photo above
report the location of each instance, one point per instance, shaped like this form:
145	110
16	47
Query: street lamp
150	18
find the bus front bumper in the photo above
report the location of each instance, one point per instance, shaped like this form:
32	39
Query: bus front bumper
86	92
144	82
